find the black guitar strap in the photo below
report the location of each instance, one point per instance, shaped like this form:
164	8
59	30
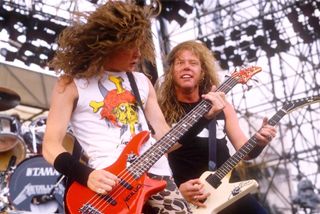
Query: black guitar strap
137	95
212	165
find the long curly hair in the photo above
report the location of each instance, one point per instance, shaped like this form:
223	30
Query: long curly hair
84	47
170	106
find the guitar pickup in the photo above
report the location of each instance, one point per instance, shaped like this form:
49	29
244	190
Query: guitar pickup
213	180
125	184
108	199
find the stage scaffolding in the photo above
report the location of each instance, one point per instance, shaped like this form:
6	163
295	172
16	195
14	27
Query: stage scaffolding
282	37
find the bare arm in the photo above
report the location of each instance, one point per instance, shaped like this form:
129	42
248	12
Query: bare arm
236	136
62	104
233	130
62	101
155	116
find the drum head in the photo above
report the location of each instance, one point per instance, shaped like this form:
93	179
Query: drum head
19	150
34	187
8	141
34	137
10	125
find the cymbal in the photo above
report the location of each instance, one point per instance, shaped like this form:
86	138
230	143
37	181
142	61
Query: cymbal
8	99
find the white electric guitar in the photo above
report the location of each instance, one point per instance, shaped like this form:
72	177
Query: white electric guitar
223	193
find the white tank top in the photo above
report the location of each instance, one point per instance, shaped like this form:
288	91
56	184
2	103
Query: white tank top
107	116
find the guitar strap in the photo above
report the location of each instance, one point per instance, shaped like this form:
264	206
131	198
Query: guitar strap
137	95
211	126
212	165
77	149
213	141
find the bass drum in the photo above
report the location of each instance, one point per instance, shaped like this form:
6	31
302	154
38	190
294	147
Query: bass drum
11	143
35	186
18	151
11	125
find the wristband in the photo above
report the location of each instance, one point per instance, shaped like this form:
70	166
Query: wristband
72	168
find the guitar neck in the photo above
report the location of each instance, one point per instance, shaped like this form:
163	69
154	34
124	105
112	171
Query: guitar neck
152	155
214	179
246	148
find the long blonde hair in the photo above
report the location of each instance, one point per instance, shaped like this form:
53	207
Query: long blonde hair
167	99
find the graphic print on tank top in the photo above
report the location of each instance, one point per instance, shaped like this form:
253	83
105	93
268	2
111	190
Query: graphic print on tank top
119	108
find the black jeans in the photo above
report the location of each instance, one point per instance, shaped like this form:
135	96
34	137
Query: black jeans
248	205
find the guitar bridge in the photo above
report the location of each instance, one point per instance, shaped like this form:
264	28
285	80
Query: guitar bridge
88	208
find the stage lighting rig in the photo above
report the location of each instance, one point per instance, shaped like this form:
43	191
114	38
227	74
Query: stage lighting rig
171	8
32	33
305	20
251	30
229	51
219	41
207	42
235	35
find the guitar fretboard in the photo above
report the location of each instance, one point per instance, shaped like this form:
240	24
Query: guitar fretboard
152	155
245	149
214	179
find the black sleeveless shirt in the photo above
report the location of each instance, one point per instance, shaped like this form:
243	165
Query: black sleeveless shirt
191	160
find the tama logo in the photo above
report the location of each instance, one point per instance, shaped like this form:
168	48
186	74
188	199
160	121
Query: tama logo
42	171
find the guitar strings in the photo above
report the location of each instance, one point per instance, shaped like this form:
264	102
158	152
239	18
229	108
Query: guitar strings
247	147
127	176
138	163
124	172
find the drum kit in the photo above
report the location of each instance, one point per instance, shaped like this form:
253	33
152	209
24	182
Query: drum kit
28	184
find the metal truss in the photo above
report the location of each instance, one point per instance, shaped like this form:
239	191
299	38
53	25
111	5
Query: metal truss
281	37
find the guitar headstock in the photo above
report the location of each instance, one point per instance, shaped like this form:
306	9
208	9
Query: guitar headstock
294	104
245	74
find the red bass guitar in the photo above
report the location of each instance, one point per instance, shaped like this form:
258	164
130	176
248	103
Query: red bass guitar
135	187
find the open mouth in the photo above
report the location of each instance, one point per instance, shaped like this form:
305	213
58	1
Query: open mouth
186	76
